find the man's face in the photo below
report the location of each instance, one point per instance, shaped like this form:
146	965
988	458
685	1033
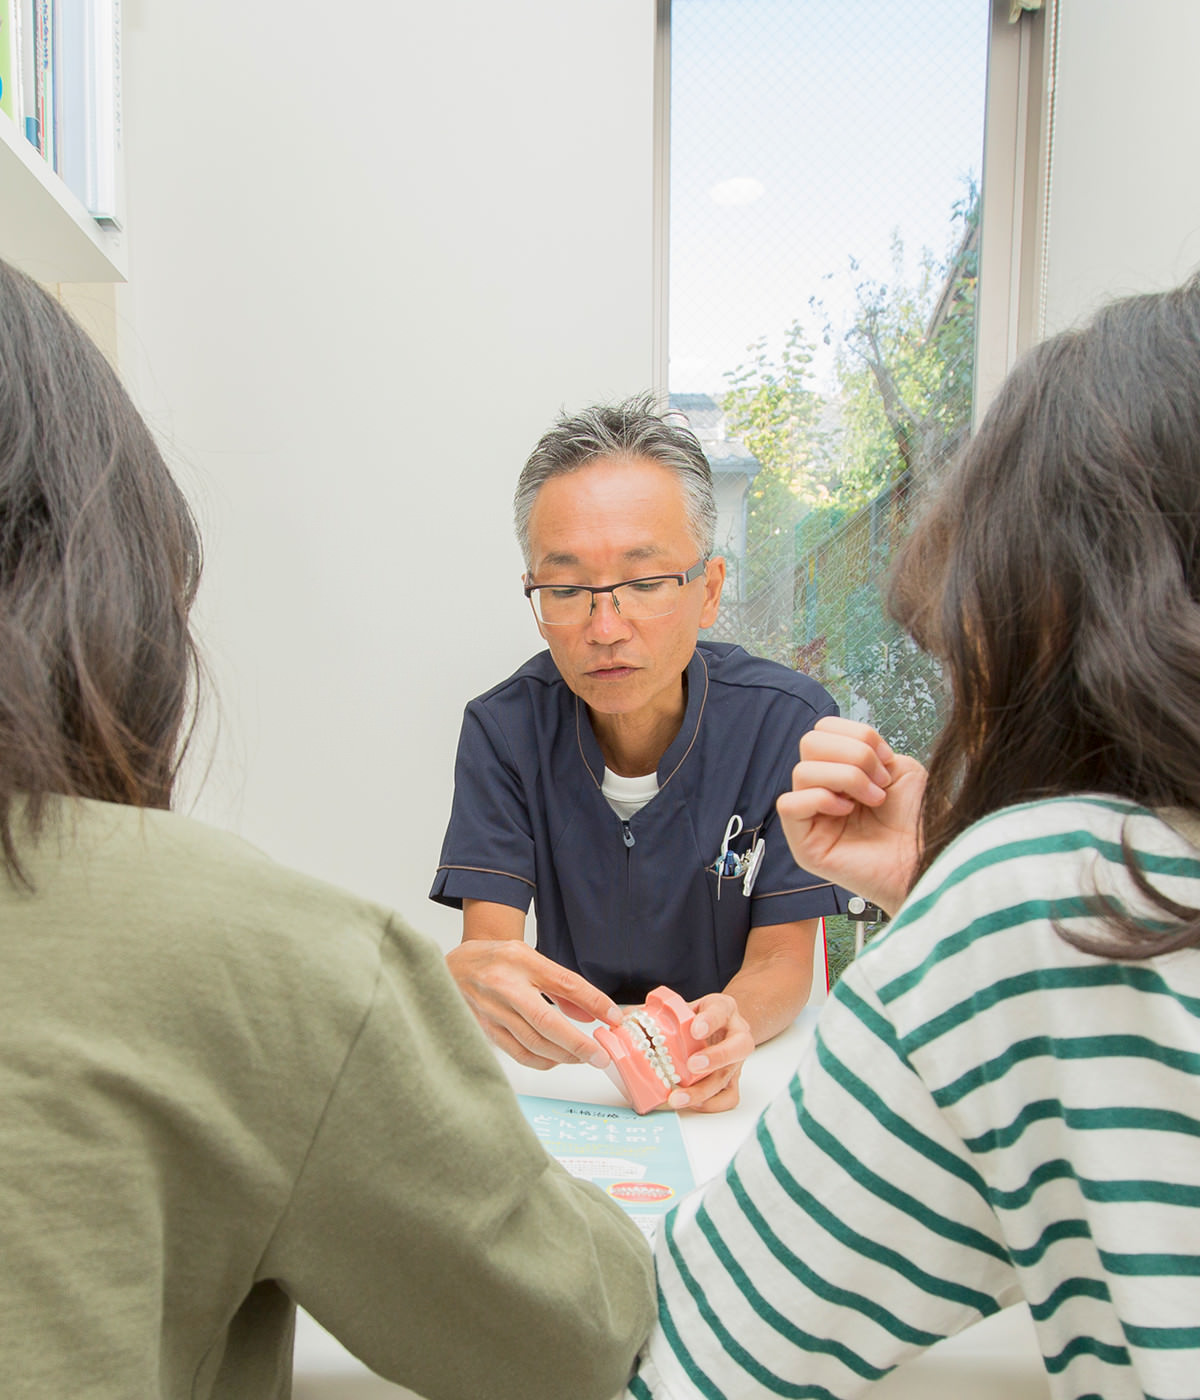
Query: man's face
618	519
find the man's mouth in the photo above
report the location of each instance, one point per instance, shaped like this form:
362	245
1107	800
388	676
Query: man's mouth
611	673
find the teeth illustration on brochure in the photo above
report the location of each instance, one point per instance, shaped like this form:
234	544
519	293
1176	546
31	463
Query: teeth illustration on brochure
650	1050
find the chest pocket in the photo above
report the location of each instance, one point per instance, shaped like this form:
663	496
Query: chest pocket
725	878
736	862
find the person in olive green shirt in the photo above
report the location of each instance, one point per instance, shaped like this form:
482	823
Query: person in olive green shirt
225	1088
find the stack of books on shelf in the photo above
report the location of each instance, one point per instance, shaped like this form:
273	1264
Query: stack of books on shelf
60	84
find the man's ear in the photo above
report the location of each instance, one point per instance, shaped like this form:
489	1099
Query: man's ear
714	581
536	620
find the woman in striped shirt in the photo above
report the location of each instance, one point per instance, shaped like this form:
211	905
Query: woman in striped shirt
1002	1099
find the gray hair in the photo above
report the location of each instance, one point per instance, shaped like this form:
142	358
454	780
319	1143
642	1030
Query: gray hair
633	428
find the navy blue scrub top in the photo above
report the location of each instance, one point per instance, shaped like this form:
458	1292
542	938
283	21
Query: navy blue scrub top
632	905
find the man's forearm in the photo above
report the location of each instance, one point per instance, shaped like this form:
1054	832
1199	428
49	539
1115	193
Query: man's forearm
773	984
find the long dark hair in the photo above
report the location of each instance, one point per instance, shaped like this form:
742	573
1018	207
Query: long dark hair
1057	576
99	564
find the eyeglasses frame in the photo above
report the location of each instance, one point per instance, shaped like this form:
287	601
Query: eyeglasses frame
682	579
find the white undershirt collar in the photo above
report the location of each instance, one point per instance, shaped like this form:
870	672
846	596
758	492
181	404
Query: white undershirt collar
628	795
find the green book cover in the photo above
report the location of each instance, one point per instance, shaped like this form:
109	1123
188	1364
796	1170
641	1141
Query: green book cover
8	59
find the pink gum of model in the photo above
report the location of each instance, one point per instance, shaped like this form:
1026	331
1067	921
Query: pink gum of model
630	1070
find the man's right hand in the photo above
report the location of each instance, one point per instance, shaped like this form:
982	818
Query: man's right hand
506	983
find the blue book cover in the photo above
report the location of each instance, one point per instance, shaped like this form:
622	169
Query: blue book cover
640	1160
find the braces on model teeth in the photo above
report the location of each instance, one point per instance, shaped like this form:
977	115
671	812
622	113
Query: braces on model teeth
650	1049
654	1046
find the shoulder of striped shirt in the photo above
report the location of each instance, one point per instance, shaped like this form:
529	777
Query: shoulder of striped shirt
1081	828
1102	817
1107	820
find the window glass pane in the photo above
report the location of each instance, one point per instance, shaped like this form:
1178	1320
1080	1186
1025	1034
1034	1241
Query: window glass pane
825	166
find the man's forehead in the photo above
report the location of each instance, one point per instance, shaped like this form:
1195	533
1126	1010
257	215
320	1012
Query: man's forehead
625	486
634	555
646	472
613	512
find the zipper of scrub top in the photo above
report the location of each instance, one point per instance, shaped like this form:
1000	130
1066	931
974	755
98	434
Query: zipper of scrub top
630	841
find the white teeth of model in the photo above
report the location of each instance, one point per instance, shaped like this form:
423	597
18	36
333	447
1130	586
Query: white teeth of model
653	1044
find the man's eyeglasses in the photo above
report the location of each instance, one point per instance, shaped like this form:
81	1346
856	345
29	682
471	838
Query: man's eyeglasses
638	599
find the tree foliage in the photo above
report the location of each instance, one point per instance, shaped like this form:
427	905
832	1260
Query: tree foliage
840	470
906	366
776	413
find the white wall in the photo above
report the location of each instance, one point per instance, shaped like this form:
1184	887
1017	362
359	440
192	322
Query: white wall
369	263
371	259
1124	201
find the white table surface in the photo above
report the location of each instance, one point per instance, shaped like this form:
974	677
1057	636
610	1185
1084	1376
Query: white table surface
996	1359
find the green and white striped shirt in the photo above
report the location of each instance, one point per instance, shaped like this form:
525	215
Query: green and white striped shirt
984	1114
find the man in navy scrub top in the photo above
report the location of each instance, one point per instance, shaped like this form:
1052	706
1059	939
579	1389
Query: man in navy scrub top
624	781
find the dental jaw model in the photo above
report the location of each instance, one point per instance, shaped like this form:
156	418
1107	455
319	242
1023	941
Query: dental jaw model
649	1051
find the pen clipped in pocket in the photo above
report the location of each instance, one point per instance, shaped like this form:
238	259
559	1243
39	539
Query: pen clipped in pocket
732	863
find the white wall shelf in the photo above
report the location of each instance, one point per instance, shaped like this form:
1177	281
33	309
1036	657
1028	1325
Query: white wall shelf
44	229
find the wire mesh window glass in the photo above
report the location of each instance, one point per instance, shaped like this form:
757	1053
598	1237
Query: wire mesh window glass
824	198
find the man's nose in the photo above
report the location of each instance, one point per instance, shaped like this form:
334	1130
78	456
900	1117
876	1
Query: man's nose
605	621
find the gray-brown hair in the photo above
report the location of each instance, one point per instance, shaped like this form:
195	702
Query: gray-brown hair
99	563
634	428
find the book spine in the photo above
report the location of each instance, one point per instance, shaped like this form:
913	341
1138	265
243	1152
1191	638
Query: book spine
29	84
53	143
105	196
73	74
110	193
43	56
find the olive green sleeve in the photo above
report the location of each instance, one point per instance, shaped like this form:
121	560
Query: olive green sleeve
431	1233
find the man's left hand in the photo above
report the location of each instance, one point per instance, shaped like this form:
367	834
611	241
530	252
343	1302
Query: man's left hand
721	1024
